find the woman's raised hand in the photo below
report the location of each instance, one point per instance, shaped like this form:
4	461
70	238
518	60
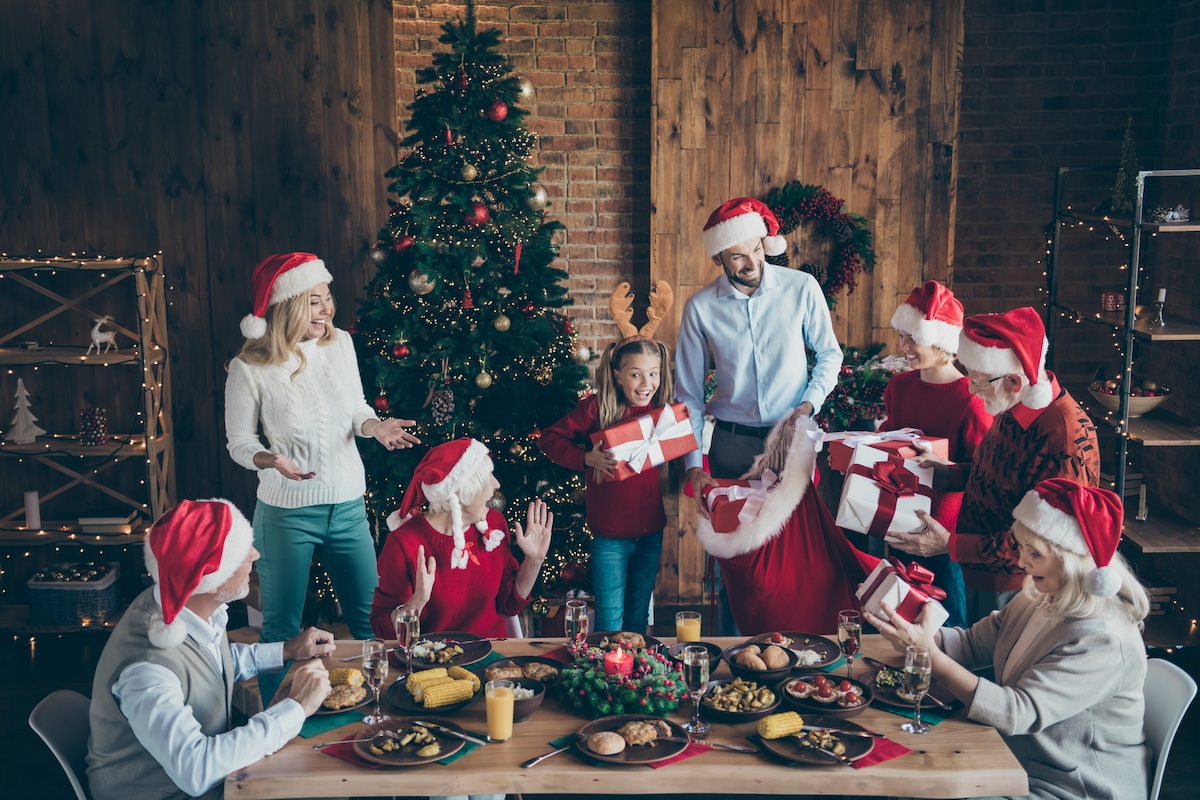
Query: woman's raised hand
288	469
534	539
902	633
423	584
391	433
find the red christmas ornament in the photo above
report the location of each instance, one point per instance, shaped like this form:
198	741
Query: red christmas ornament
528	308
467	302
567	327
536	433
352	329
477	215
461	82
517	258
381	404
403	243
573	574
400	350
449	137
497	110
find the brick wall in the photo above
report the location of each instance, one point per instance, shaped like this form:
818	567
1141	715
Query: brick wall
589	64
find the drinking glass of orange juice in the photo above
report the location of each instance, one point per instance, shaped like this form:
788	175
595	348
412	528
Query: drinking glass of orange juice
687	626
499	697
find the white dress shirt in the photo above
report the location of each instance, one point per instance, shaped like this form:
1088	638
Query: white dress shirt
151	698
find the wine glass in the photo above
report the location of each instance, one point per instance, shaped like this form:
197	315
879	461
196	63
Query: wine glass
408	631
576	625
375	667
695	677
849	636
918	669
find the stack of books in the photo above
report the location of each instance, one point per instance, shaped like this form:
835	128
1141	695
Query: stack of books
109	520
1133	482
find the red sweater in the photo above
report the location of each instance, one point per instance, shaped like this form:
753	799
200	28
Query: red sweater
947	410
470	600
625	509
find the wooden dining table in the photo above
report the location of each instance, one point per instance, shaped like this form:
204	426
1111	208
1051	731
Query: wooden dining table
959	758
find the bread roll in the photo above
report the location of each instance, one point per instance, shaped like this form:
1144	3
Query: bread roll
751	660
753	649
606	743
775	657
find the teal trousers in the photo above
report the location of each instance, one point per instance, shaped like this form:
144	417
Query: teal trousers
286	539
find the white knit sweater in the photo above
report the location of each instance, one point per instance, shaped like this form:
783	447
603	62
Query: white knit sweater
312	420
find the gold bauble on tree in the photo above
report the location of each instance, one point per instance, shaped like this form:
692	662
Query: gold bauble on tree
517	449
537	200
483	380
420	282
468	172
502	323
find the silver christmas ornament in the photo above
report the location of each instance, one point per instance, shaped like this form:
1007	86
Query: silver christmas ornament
537	200
420	282
582	355
526	90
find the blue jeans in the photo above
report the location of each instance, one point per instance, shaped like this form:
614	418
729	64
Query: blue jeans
623	576
948	577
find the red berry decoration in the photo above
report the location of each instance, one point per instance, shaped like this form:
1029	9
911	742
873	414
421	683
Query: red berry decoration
528	308
477	215
381	404
497	110
403	243
400	350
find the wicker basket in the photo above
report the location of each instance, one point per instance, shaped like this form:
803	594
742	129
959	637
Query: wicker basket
69	602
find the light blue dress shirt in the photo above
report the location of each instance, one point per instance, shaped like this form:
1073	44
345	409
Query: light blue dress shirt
757	344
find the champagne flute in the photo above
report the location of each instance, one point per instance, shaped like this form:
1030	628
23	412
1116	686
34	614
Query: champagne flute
849	636
408	631
918	670
375	667
576	625
695	677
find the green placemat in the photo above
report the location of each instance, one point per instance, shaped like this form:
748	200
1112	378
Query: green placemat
326	722
563	741
841	662
490	658
932	715
468	747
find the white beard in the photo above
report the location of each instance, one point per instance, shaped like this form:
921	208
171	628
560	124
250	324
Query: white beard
230	596
999	401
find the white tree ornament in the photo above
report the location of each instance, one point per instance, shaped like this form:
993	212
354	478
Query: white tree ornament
23	430
106	338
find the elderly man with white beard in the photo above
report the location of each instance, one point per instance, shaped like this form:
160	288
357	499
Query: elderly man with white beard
1039	432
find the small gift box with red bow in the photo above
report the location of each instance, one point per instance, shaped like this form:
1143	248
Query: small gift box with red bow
906	443
906	589
883	493
733	503
648	441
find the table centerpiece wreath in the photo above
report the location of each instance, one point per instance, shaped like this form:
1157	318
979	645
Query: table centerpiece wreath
795	203
654	687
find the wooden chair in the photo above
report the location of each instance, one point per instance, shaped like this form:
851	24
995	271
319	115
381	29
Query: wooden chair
1169	691
61	719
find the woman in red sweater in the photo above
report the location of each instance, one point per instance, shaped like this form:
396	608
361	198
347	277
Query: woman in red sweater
452	564
625	517
935	397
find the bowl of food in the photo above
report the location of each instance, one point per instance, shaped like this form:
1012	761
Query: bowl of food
738	701
1138	405
675	652
764	664
527	698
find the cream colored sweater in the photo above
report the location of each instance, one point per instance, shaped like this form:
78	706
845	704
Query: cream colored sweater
312	420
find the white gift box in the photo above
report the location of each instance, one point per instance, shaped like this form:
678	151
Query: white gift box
887	584
864	493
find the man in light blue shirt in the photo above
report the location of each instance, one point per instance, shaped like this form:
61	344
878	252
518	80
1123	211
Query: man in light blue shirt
753	323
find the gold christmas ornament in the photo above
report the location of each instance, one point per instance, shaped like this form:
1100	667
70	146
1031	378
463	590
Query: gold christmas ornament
537	200
517	449
502	323
582	355
469	172
420	282
525	92
483	380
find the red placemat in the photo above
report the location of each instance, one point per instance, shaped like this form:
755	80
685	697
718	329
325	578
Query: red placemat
884	750
346	753
562	654
693	749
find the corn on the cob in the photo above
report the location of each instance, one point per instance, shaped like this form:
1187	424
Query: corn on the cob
418	691
462	674
444	694
346	675
776	726
426	675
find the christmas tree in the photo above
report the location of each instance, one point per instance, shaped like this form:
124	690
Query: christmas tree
463	329
23	430
1125	189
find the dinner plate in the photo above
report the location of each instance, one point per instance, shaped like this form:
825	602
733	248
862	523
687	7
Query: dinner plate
595	639
521	661
407	756
402	700
475	649
790	748
806	705
286	689
827	649
633	754
675	653
736	717
887	695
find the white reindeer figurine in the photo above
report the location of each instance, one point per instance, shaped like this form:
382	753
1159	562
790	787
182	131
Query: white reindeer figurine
106	338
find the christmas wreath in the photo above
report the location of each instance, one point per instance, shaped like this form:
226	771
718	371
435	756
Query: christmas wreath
795	203
655	687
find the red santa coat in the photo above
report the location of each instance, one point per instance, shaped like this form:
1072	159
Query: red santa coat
790	568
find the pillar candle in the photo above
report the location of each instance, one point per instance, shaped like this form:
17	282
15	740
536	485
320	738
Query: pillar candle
1162	295
33	511
618	662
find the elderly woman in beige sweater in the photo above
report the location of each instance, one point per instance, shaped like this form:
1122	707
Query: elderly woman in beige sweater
1067	651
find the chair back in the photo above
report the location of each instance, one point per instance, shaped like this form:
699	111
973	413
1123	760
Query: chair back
1169	691
61	719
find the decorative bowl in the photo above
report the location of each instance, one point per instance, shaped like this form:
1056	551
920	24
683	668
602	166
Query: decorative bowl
1137	405
523	709
763	677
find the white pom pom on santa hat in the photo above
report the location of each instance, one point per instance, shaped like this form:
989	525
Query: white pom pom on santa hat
740	219
277	278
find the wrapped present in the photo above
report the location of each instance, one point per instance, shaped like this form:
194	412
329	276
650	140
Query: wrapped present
648	441
883	493
906	589
905	443
733	503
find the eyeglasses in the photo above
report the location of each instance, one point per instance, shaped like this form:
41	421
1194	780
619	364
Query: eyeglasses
979	385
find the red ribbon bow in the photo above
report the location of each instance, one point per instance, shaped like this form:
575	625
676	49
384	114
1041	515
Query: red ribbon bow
893	478
919	578
894	481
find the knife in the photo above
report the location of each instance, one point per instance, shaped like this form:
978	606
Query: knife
359	656
839	731
737	748
450	732
533	762
832	754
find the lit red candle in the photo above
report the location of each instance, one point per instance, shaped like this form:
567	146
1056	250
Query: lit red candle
618	662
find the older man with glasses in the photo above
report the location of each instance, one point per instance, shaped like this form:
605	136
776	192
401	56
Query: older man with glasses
1039	432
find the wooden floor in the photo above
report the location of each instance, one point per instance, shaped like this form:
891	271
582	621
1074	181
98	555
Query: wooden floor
34	669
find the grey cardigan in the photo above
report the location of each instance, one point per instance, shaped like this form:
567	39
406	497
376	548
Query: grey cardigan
1072	712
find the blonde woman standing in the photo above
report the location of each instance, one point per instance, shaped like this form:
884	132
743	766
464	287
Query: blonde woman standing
297	377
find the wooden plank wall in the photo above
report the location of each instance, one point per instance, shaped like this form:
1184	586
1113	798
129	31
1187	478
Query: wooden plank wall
215	131
860	96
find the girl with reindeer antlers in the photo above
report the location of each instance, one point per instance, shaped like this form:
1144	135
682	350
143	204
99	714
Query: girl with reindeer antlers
626	517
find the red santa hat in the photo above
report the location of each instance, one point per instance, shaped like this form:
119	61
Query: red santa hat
1012	343
740	219
932	316
193	549
438	479
277	278
1081	519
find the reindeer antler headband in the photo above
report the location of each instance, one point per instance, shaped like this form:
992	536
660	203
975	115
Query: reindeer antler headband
620	305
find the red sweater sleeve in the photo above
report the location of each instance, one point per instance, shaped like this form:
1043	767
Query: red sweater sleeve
976	422
395	585
566	442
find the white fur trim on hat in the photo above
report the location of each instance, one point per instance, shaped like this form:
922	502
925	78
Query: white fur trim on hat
447	489
737	229
996	361
1102	582
926	332
298	280
253	327
234	551
1050	523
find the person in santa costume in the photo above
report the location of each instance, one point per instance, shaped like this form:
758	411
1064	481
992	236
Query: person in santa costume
1068	657
162	698
297	378
1038	432
755	322
452	563
934	397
